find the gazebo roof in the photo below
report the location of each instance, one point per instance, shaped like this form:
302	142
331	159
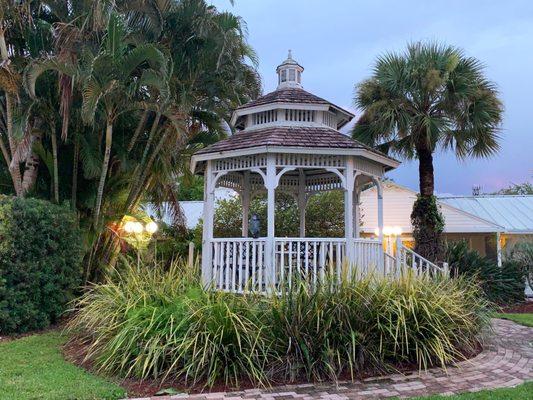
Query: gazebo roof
292	136
289	136
291	95
291	120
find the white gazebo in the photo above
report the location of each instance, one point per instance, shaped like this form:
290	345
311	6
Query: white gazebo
289	140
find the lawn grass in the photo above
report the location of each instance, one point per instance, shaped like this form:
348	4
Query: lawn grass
522	319
521	392
33	368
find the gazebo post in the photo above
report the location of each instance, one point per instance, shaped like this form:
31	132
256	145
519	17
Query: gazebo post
245	197
356	210
270	185
379	187
302	200
348	209
207	237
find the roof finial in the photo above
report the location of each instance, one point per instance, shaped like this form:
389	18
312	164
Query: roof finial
290	55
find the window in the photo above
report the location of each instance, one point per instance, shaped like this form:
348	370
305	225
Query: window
292	75
299	76
284	75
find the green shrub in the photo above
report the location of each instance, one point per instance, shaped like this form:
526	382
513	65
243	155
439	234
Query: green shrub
501	285
158	323
40	256
522	254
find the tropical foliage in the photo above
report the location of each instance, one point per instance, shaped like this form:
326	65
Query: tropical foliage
228	215
431	97
159	323
501	285
103	102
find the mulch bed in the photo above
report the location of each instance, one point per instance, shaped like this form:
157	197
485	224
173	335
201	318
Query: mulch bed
522	308
74	351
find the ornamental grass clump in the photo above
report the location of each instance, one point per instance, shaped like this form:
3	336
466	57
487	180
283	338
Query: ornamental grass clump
148	322
151	322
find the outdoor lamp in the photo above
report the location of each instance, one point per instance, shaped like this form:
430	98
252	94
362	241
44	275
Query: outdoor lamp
137	227
129	227
151	227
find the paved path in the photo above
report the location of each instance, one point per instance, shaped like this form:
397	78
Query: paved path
507	361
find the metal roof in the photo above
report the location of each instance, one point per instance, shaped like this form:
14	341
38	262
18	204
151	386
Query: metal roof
514	213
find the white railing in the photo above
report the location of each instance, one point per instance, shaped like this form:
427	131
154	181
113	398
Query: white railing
408	259
367	256
308	259
239	264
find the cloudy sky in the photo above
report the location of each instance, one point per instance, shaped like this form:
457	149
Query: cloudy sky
338	40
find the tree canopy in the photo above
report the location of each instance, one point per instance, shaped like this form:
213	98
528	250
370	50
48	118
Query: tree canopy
102	103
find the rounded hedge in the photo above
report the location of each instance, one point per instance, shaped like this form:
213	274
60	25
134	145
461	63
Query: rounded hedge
40	263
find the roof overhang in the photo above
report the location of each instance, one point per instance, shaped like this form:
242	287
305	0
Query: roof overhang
295	106
387	162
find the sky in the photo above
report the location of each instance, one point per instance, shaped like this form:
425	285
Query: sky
337	42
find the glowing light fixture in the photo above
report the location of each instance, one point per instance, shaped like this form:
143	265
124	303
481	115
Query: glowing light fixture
138	227
129	226
390	231
151	227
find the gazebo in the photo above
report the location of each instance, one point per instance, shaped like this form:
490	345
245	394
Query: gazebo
289	140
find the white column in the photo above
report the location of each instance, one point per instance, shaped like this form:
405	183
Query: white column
270	185
207	234
379	190
302	200
498	249
245	198
348	208
356	209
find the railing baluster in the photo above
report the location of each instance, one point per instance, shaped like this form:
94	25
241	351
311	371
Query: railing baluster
228	244
234	268
241	275
247	266
254	263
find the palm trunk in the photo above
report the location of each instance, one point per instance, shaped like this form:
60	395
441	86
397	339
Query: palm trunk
14	172
138	172
140	183
75	163
138	131
16	177
31	166
426	172
105	166
426	218
56	172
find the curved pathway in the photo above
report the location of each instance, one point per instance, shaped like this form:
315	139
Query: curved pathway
507	361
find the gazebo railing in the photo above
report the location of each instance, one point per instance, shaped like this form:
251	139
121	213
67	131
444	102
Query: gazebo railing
239	264
308	258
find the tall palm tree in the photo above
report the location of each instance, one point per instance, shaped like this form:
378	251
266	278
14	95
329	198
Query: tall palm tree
112	78
431	97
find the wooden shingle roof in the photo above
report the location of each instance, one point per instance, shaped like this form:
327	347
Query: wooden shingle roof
296	136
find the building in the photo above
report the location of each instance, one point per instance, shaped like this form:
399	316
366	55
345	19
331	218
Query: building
490	223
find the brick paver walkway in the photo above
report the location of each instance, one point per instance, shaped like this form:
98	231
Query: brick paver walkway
506	361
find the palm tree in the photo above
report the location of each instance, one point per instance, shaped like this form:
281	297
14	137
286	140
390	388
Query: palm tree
432	97
112	78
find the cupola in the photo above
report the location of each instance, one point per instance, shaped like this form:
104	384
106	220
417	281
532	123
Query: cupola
289	73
